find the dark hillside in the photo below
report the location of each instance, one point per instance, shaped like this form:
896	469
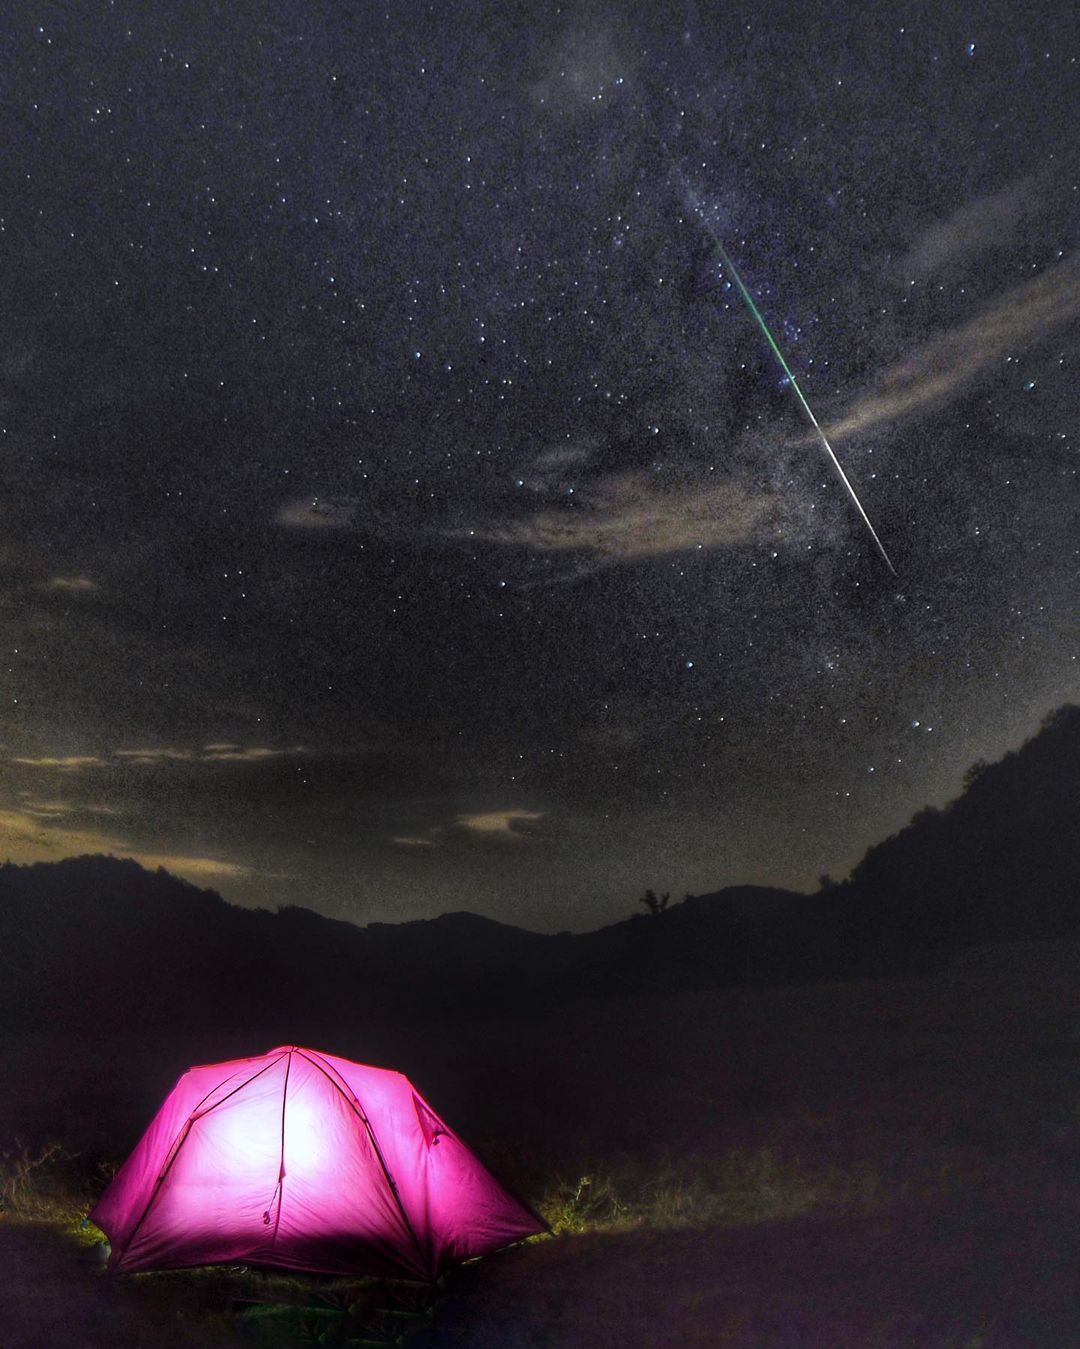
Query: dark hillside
1000	863
99	941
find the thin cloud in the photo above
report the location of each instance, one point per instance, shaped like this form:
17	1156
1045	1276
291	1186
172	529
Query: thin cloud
410	841
193	868
939	369
70	763
550	463
54	810
499	824
566	456
585	71
987	222
25	837
254	754
157	755
72	585
47	810
218	753
628	516
152	756
318	513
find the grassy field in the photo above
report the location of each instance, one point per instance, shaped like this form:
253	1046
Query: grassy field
885	1163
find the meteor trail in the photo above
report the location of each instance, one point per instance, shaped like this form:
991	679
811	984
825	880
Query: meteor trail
726	260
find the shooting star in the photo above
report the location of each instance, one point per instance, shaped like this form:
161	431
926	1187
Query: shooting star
726	260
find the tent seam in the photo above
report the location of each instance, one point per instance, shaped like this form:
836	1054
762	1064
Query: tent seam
281	1162
354	1102
178	1143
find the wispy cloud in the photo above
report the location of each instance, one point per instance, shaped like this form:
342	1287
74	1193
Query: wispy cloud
72	585
193	868
70	763
555	461
318	513
55	808
216	753
46	810
940	368
584	71
152	756
27	837
500	824
497	826
252	754
628	516
978	225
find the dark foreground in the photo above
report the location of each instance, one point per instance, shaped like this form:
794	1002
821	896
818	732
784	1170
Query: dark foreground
884	1164
980	1279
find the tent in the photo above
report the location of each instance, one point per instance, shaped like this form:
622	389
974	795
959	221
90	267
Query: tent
304	1161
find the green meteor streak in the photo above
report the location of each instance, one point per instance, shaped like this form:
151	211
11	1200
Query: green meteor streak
791	378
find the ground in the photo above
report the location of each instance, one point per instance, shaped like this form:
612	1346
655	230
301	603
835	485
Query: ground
886	1163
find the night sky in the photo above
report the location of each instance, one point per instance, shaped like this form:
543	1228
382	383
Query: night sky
402	510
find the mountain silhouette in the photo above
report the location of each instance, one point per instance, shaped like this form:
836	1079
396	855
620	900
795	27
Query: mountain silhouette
100	942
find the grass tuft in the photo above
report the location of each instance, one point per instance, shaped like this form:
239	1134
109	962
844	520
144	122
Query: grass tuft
740	1187
51	1184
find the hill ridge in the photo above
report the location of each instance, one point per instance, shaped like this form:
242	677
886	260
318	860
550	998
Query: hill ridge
102	938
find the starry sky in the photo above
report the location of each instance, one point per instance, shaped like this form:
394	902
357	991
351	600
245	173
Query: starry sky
402	510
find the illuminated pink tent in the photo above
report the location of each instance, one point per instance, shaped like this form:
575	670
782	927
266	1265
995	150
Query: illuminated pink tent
306	1161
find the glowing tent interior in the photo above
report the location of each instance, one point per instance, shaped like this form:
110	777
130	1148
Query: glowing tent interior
305	1161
